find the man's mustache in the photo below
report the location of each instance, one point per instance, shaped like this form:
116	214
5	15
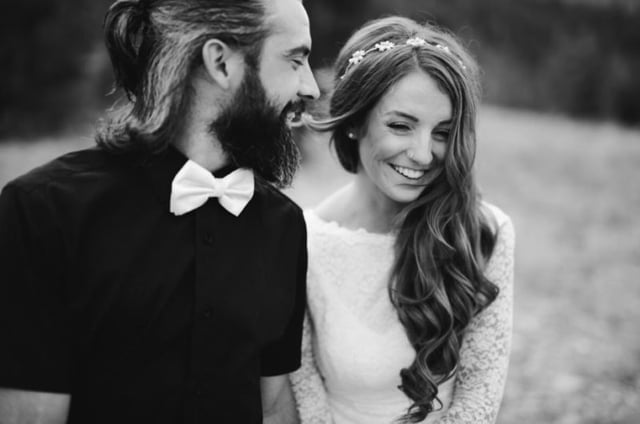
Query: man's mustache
292	113
297	107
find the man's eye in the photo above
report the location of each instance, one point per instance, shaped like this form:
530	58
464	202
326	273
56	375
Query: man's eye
298	62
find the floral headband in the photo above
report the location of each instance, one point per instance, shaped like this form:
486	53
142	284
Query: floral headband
383	46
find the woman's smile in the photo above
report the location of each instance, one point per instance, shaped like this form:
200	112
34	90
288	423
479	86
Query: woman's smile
409	173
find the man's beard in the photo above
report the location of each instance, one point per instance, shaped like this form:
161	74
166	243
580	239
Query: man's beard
255	134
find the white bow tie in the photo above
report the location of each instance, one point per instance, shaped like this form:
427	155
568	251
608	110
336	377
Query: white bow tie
193	186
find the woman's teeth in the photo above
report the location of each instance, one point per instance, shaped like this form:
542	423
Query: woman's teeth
412	174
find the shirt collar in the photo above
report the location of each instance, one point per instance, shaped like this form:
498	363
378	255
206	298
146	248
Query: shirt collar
160	169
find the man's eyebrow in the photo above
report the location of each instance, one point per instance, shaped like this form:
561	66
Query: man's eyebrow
299	51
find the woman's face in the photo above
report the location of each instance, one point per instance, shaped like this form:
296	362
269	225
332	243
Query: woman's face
404	139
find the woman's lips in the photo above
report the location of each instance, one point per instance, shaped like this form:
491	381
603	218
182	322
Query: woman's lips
410	173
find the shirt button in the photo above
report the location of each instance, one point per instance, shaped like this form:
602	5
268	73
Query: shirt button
207	313
207	239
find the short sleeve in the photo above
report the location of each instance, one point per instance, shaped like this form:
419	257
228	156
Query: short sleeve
284	355
34	322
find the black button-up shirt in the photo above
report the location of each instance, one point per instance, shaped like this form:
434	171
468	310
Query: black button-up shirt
143	316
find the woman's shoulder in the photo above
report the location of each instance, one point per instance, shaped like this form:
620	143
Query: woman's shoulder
313	221
332	207
332	213
495	214
504	231
498	219
320	230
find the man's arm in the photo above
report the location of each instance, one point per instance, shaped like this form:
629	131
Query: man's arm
278	406
36	362
25	407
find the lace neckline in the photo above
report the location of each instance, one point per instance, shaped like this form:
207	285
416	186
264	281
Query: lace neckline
336	227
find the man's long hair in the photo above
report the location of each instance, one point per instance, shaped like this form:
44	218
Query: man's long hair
444	239
155	46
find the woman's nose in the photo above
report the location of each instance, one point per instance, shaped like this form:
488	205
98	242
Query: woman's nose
421	152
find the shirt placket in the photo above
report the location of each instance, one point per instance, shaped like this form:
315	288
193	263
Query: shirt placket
206	279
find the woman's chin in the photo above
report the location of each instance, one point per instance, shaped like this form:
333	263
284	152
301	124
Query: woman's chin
404	195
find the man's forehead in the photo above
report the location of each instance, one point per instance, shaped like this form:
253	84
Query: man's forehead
288	17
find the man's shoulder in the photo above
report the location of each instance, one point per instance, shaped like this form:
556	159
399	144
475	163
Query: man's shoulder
89	163
275	202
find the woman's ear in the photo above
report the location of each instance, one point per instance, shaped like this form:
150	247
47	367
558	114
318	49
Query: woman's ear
352	133
223	64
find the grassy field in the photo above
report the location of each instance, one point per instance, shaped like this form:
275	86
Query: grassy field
572	190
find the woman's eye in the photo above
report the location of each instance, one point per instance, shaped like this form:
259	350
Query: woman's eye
399	126
441	135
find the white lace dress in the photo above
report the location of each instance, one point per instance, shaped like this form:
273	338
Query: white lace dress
354	345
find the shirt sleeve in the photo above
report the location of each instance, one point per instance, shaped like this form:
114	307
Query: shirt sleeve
283	355
34	323
484	354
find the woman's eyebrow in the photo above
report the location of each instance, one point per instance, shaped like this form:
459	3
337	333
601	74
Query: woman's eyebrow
402	115
445	123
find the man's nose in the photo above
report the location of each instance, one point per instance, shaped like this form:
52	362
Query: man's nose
308	86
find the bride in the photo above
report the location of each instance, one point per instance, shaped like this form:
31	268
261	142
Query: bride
410	273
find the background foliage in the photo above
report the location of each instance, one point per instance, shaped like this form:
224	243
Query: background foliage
579	58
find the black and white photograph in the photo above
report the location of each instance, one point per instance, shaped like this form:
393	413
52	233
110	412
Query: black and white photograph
320	212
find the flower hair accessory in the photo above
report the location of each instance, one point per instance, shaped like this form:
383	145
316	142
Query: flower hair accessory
384	46
416	42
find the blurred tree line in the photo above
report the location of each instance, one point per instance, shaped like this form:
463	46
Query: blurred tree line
576	57
54	72
572	57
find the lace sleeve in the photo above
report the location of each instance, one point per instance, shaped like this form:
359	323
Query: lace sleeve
484	354
307	384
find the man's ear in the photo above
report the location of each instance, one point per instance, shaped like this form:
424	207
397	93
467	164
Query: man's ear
223	64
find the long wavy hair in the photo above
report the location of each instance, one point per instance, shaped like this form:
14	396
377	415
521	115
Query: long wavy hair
155	46
444	240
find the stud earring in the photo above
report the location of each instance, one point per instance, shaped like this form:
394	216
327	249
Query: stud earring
351	135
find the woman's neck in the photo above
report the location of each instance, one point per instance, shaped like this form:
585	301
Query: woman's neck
357	205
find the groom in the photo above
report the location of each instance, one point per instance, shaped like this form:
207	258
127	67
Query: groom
159	277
